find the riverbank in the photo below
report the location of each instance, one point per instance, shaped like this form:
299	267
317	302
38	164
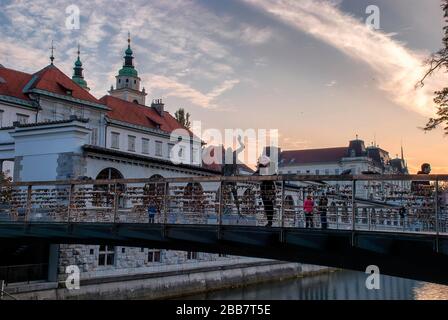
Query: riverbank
170	284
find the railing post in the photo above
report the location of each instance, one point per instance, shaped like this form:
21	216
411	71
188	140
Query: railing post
70	198
28	202
2	288
353	211
369	219
165	208
115	203
221	206
282	212
165	203
436	204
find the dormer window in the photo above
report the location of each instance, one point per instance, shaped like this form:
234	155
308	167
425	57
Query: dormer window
135	101
66	90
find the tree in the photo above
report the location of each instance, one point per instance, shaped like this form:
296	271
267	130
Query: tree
183	118
436	62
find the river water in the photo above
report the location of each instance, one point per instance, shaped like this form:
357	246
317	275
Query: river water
339	285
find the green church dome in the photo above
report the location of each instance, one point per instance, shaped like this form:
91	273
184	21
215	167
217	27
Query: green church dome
128	71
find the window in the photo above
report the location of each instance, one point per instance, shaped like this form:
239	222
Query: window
1	118
336	172
22	118
298	172
192	255
145	146
170	148
317	172
327	172
159	148
131	143
154	256
94	136
115	140
106	256
182	153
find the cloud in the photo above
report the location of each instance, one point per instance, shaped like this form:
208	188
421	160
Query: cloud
174	88
255	35
396	67
167	37
331	83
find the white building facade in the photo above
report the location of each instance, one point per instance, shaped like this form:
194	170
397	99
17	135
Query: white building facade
52	128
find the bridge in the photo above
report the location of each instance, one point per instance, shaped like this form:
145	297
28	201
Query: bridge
396	222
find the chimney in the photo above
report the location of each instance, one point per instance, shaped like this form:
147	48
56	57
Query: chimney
158	105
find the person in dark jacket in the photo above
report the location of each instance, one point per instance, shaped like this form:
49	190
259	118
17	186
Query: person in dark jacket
230	169
323	206
422	188
267	189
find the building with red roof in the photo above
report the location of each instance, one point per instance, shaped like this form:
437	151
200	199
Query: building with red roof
355	158
43	106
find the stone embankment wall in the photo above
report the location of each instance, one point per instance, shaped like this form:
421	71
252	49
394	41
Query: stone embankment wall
175	282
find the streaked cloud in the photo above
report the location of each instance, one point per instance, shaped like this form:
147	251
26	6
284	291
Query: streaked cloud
397	68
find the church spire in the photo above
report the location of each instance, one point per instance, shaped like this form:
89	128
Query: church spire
128	81
128	66
402	151
52	52
78	75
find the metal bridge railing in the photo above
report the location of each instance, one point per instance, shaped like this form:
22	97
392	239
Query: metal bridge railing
396	203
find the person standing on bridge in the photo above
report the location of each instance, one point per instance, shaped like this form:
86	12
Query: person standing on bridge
308	208
230	169
267	188
323	206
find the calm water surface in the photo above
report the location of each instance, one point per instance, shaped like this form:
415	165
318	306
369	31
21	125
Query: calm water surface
338	285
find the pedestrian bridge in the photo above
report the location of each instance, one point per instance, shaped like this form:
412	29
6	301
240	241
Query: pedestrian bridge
396	222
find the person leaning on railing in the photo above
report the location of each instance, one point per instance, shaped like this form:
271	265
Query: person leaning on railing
422	188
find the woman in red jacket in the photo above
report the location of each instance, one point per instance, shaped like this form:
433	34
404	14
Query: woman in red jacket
308	207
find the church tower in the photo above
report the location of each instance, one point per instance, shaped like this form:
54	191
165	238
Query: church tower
128	83
78	76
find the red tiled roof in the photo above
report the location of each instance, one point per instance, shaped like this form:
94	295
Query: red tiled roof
136	114
295	157
50	79
54	80
12	83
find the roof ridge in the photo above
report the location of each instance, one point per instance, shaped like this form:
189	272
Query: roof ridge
18	71
327	148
